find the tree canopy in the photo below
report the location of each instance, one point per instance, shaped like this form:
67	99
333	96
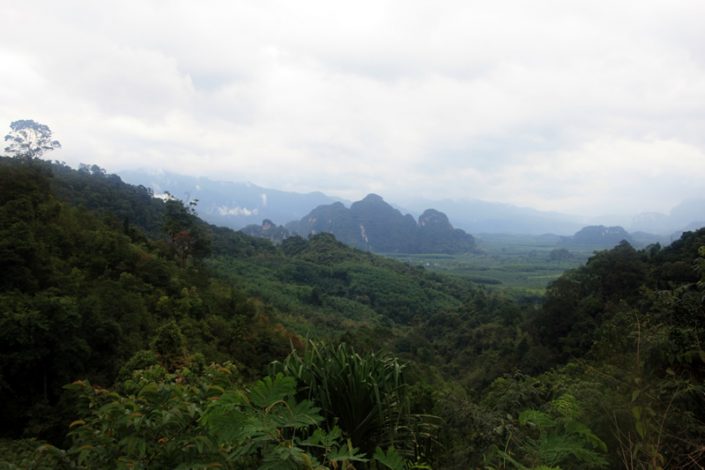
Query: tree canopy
29	139
187	344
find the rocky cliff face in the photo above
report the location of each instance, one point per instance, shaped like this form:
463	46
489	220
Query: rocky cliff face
372	224
435	231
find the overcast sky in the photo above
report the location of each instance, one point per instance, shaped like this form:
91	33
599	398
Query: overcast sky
585	107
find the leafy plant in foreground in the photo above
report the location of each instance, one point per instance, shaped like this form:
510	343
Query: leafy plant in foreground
366	396
153	423
266	428
197	419
553	438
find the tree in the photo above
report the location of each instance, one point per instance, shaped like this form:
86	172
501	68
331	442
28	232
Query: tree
29	139
186	236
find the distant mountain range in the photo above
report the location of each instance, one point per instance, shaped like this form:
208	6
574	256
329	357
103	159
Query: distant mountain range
230	204
477	216
373	225
237	205
597	237
686	216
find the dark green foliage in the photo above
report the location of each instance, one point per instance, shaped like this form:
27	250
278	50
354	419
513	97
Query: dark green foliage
580	300
79	296
31	453
127	207
103	283
227	242
196	418
390	459
328	281
554	438
272	232
266	428
640	315
152	423
170	345
560	254
366	395
187	239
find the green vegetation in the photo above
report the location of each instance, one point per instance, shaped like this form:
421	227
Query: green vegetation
522	266
202	419
134	335
365	395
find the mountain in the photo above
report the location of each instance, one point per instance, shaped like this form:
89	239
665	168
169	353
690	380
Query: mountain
651	222
374	225
643	239
236	205
598	237
686	216
230	204
478	216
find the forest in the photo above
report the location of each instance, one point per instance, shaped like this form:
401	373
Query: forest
135	335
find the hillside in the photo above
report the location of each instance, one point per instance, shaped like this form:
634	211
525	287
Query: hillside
166	327
99	266
267	230
373	225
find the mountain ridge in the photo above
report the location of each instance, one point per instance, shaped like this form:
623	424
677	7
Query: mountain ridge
374	225
227	203
237	205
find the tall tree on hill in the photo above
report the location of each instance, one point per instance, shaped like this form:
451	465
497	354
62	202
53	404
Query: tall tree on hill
186	238
29	139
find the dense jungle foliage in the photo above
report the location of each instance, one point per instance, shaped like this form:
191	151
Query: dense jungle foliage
134	335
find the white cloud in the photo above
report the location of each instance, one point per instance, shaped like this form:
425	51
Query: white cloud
616	175
237	211
554	104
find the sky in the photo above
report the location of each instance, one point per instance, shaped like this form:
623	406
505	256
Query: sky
582	107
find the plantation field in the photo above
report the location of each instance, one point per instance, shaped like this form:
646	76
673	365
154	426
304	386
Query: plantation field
524	265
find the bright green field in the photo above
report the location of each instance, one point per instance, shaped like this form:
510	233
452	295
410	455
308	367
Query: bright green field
522	264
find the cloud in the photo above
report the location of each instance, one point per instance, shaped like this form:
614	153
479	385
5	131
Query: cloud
237	211
563	105
616	175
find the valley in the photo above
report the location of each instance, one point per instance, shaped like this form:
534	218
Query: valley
521	265
116	306
352	235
